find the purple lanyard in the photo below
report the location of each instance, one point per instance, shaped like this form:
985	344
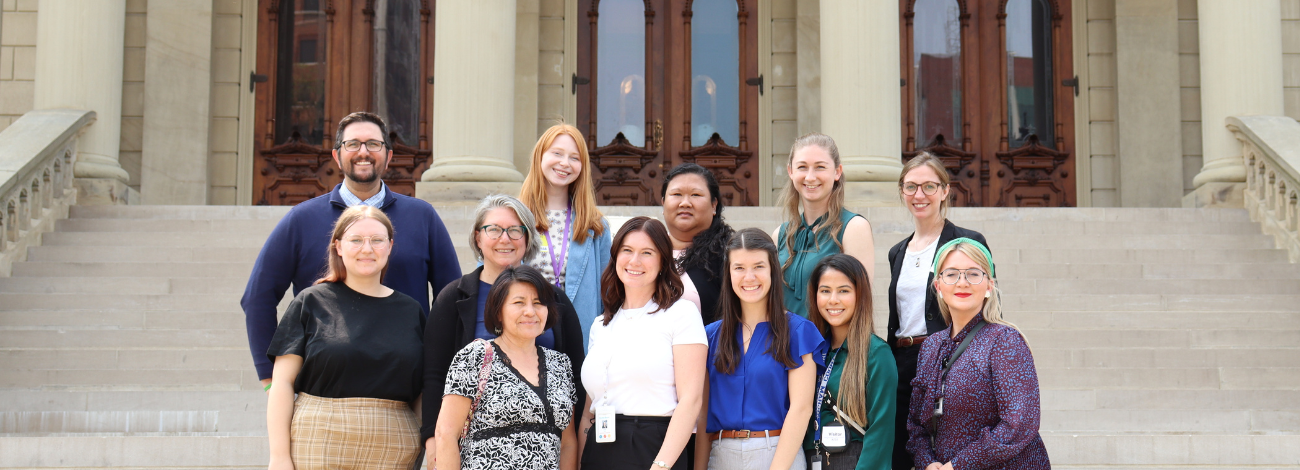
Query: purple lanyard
557	265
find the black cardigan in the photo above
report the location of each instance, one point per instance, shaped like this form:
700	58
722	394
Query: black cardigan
709	287
450	327
933	319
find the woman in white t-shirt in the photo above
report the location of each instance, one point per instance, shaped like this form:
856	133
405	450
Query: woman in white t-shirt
644	371
913	310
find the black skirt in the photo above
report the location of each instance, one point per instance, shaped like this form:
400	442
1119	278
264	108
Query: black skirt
846	460
637	440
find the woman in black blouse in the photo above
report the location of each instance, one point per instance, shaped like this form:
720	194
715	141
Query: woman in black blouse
503	236
693	215
351	348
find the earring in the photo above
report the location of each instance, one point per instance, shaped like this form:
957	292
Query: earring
939	294
497	331
987	294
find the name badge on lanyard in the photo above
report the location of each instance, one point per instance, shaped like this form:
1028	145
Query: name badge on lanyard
835	437
605	423
832	437
557	263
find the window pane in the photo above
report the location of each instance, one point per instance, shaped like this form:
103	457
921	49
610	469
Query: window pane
300	75
715	71
397	67
936	70
620	73
1029	72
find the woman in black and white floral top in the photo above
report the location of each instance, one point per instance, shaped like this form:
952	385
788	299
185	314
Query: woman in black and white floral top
524	414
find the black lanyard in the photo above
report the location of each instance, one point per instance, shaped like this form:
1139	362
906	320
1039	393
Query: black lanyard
943	378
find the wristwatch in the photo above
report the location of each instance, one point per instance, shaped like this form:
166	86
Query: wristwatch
662	464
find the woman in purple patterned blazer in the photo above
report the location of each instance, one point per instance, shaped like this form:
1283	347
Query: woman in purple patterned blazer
975	396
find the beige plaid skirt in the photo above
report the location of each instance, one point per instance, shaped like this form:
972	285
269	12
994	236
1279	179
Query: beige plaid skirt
345	433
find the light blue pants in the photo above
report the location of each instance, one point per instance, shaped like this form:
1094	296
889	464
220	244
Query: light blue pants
755	453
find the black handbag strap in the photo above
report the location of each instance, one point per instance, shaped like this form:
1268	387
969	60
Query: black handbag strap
956	353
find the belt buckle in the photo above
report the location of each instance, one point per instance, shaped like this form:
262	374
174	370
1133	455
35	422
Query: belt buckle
747	434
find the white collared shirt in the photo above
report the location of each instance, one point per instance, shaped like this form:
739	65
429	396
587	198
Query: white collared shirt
374	201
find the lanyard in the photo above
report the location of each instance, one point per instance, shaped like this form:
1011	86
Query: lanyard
557	265
821	390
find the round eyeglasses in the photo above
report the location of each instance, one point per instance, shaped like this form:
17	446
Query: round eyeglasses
929	188
493	231
355	145
974	276
376	243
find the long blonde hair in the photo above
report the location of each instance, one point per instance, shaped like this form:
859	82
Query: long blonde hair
992	304
793	203
335	271
582	193
853	380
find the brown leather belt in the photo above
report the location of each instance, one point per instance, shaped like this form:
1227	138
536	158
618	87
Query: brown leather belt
743	434
909	341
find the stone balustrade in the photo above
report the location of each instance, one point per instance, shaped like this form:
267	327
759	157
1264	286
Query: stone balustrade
36	156
1270	147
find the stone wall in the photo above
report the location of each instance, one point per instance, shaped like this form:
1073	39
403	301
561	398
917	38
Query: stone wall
225	110
1189	73
17	58
131	153
1291	57
792	33
1099	101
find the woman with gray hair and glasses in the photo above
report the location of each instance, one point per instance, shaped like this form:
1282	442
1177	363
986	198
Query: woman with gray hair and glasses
503	236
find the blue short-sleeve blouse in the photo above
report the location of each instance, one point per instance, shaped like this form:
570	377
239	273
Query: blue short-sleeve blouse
756	396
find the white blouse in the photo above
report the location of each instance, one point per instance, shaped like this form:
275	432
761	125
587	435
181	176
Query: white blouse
912	284
629	362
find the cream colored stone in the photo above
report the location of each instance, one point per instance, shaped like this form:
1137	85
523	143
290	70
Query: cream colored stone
226	31
784	35
784	9
177	100
224	134
550	103
1291	107
552	9
1103	172
1101	9
136	6
551	34
1186	9
226	7
1188	37
785	103
225	66
133	64
1192	138
5	121
437	192
132	134
225	100
1191	104
1101	137
24	63
222	195
1104	198
133	99
6	63
783	135
527	34
1101	70
1216	195
1101	104
1101	37
16	97
1290	70
18	28
222	169
104	192
1291	36
809	72
1189	70
136	30
1290	10
550	69
1191	166
130	161
783	69
9	5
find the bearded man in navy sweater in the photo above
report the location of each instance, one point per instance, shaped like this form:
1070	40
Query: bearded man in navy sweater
422	253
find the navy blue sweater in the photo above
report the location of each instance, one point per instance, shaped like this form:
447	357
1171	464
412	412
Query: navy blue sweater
295	253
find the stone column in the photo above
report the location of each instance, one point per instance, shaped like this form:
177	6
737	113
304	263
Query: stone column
860	97
473	102
1150	127
1241	74
177	93
79	65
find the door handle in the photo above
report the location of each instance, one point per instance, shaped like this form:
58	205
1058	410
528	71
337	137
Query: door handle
659	134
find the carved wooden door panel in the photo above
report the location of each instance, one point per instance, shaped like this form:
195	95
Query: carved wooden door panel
988	88
662	82
319	60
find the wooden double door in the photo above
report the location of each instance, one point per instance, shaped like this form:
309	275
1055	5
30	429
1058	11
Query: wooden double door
662	82
988	87
319	60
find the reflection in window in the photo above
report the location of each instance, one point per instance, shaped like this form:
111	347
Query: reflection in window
936	70
397	67
715	66
620	73
300	75
1029	72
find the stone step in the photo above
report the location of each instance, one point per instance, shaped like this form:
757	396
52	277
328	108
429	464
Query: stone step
176	452
1166	399
260	226
178	212
1227	286
1166	338
101	318
1013	304
1192	378
1139	357
1218	256
114	284
1159	320
129	379
1173	450
115	358
1133	271
1160	421
199	271
11	302
243	256
126	339
110	422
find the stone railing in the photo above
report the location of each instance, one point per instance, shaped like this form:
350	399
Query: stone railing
1270	146
36	156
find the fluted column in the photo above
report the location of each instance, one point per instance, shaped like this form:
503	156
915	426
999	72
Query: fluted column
79	65
1241	74
473	102
860	98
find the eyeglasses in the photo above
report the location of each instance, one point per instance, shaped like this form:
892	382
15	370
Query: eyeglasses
974	276
929	188
493	231
376	243
355	145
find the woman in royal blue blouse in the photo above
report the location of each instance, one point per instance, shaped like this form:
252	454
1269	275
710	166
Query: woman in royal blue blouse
975	395
762	364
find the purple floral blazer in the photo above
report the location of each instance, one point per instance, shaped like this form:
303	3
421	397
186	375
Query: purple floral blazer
991	405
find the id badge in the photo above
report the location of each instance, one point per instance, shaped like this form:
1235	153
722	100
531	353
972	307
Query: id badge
816	462
834	436
604	423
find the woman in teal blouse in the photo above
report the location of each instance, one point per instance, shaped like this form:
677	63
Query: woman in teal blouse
853	425
814	207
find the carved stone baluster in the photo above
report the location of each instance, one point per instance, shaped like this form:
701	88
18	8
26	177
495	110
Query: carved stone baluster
11	214
47	186
23	218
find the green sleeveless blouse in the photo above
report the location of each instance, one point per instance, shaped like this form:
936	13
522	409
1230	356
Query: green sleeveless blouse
808	250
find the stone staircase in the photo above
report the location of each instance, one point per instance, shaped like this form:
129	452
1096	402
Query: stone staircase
1164	338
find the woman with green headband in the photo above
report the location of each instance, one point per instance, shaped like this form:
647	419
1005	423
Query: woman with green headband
975	399
913	310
